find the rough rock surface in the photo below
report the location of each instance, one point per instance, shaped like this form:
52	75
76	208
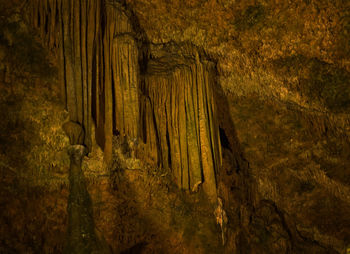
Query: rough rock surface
178	95
282	109
100	49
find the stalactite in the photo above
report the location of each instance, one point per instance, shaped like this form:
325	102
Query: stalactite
108	98
179	89
170	107
68	55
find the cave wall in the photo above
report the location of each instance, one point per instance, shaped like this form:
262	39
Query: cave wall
283	75
283	72
113	83
33	161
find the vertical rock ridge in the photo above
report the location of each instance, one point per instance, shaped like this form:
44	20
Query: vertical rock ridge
126	80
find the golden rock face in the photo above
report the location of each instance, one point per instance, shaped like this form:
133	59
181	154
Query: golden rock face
179	90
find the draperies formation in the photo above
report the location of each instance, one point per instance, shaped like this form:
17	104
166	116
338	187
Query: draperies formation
169	107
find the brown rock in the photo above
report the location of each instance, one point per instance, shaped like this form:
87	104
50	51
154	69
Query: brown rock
75	132
179	89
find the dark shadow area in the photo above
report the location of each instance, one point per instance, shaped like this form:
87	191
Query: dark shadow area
81	233
136	249
151	210
134	229
224	140
235	184
30	217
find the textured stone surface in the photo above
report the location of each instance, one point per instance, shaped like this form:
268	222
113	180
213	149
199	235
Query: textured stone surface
282	104
75	132
33	160
84	35
81	233
176	105
179	89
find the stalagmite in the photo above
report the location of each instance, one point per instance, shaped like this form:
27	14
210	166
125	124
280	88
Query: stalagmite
81	234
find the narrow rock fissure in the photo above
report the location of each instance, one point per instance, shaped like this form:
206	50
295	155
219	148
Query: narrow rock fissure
224	140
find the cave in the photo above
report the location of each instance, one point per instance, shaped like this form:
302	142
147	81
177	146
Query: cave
202	126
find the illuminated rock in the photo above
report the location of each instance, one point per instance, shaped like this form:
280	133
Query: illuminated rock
170	106
183	132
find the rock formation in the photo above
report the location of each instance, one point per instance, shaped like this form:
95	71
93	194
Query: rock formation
169	106
179	120
276	86
82	236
